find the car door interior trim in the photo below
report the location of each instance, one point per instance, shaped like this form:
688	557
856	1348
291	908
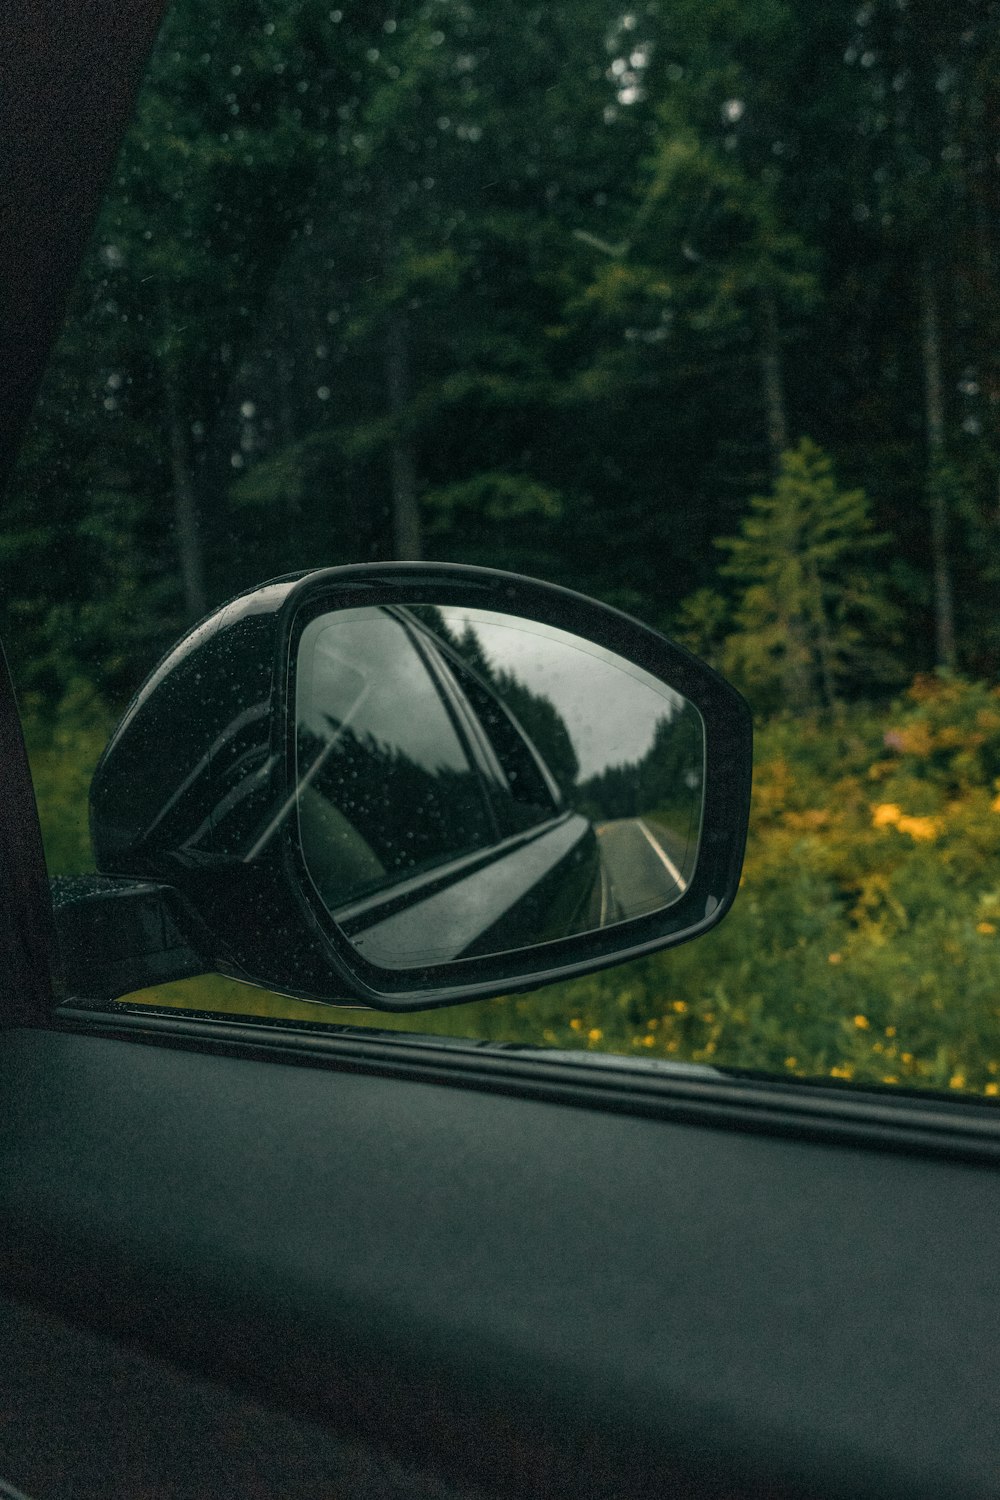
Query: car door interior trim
839	1114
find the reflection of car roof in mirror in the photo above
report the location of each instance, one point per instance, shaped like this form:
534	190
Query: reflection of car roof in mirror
462	793
378	742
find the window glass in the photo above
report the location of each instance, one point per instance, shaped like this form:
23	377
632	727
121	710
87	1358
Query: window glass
691	305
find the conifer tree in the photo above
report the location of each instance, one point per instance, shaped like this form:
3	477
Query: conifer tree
812	613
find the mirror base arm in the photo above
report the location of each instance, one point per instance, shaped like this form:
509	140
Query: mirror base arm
116	935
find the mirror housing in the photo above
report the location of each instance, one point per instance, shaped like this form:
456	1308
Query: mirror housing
198	796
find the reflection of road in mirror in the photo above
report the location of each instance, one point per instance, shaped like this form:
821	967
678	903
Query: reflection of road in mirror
639	874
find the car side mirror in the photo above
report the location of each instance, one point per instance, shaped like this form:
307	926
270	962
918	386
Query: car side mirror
410	785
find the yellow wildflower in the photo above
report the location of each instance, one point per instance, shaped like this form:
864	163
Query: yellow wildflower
862	1023
906	1057
791	1062
835	958
886	815
576	1023
993	1089
891	815
846	1071
680	1006
986	928
648	1040
890	1031
919	828
595	1034
957	1081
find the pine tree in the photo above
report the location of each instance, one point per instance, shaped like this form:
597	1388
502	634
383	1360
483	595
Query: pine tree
812	614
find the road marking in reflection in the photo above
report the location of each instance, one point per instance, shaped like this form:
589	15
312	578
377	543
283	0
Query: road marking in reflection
603	918
664	857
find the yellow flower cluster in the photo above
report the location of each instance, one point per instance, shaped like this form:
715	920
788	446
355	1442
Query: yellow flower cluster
891	815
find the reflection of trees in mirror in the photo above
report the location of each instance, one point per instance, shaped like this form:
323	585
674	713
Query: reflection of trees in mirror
536	714
531	793
667	781
372	815
545	727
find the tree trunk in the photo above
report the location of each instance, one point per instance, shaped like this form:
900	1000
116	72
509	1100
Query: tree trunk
824	644
284	364
772	381
403	478
190	551
930	341
796	673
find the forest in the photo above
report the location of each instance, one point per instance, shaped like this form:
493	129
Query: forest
691	306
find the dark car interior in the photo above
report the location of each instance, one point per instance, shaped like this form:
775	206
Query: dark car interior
241	1260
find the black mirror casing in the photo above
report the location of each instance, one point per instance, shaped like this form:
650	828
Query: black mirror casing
197	789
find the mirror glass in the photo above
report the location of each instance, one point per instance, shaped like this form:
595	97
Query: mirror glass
471	782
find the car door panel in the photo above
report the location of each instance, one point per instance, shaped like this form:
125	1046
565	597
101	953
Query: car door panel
479	1278
92	1416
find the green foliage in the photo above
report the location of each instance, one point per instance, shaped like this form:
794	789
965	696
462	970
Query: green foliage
491	498
534	260
812	614
727	227
63	748
702	623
